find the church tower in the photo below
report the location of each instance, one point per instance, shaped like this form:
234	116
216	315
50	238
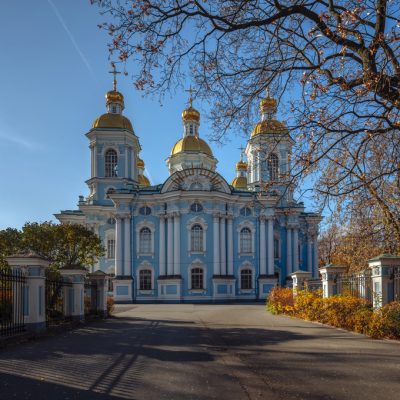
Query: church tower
268	152
191	151
240	182
114	149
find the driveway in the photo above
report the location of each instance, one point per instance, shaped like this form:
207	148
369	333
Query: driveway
201	352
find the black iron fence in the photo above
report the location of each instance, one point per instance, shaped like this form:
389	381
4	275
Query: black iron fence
12	298
59	301
313	284
91	297
358	285
394	284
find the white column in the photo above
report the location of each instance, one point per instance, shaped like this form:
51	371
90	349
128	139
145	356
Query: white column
288	251
315	273
230	246
309	255
162	246
222	245
170	254
92	153
126	174
95	173
118	247
271	268
295	248
177	244
217	269
127	247
263	244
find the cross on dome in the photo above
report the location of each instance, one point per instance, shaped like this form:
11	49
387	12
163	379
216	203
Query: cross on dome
115	73
190	91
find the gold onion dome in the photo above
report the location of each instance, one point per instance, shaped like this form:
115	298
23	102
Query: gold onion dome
241	166
190	114
269	126
267	104
140	163
109	120
240	182
114	96
143	180
191	144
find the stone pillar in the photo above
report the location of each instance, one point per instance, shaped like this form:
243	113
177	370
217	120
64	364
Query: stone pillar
170	249
118	246
76	275
329	274
289	253
126	174
315	257
263	244
271	264
309	255
223	245
295	266
299	277
101	280
217	269
127	270
383	268
230	246
177	244
33	306
162	246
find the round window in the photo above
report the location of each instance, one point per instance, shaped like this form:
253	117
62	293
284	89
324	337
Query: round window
145	210
245	211
196	207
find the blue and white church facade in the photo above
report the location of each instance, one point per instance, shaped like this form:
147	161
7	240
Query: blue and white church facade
195	237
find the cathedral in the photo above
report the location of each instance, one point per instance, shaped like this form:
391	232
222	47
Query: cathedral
195	237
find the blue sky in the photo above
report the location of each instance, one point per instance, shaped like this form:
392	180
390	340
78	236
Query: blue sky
54	75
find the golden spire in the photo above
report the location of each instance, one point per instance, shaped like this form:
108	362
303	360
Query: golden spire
190	113
115	73
190	91
241	165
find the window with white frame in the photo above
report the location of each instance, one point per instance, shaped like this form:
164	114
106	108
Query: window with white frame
145	241
111	248
245	241
246	279
196	238
273	167
111	163
197	278
145	279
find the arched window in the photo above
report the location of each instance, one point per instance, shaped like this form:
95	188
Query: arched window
145	279
245	241
273	167
145	241
196	238
197	278
246	279
111	248
111	163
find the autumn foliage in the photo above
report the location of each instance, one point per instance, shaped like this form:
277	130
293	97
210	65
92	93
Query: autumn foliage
345	312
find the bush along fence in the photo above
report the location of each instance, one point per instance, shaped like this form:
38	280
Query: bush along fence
367	302
30	301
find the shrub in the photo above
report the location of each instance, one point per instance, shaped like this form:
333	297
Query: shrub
280	300
110	305
386	322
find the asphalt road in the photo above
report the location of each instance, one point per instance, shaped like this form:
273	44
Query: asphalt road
201	352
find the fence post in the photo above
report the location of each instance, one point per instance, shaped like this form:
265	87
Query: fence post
329	274
76	275
101	278
299	277
34	306
383	285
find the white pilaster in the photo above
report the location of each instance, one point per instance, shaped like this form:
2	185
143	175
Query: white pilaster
92	153
263	244
177	244
170	249
315	272
288	251
309	255
295	248
222	245
127	270
162	246
118	247
271	268
126	174
217	269
230	246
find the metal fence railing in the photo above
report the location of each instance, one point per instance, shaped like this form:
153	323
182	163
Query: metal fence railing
355	285
59	301
12	299
91	297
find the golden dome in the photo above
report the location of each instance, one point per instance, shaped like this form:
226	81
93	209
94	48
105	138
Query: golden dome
114	97
268	103
191	143
191	114
143	181
271	126
112	121
241	166
140	163
240	182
